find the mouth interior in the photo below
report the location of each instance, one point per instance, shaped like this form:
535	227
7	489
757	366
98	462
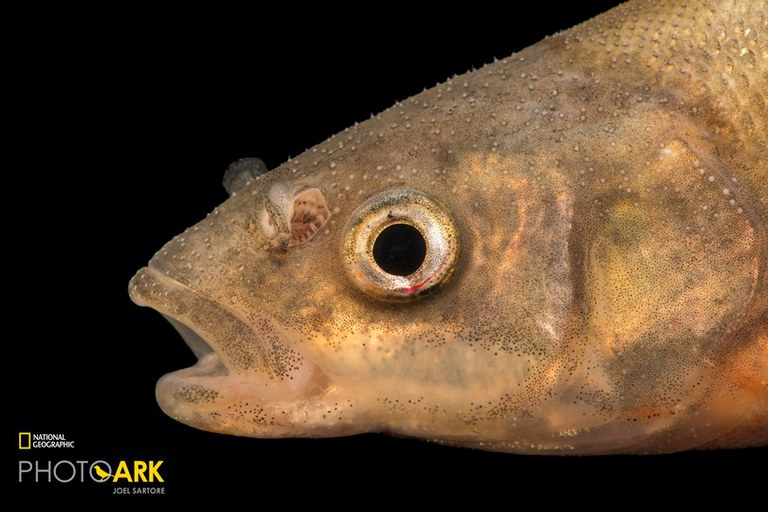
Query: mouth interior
208	361
193	340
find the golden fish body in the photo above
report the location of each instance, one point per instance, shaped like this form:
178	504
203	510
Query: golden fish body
565	251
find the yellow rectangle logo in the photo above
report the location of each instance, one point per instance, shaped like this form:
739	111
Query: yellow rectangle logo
25	440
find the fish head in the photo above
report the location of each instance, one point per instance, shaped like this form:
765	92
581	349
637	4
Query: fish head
457	293
361	291
521	259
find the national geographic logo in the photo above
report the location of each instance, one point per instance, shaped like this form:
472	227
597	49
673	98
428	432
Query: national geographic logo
126	476
29	440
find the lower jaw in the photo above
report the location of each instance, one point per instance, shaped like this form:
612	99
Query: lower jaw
207	397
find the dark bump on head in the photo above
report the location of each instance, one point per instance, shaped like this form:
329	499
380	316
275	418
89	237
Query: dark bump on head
241	172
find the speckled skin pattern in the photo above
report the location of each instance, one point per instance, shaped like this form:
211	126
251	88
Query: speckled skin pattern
608	188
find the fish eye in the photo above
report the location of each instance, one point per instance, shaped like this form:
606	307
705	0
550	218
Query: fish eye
400	245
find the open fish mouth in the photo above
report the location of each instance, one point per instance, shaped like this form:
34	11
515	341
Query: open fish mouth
242	361
208	328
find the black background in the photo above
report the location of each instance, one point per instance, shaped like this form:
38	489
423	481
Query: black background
125	128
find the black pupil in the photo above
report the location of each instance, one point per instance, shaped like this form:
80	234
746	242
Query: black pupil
399	250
